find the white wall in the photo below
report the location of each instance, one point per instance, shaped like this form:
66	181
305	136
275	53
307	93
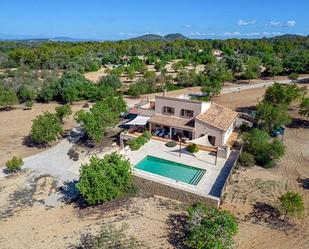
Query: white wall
228	133
196	106
202	129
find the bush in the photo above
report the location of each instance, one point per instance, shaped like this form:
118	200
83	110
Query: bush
246	159
7	98
193	148
137	143
25	94
63	111
104	179
171	144
109	237
147	135
258	143
291	204
45	128
210	228
28	105
14	164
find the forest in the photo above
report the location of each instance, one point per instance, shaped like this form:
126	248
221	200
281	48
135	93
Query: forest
44	71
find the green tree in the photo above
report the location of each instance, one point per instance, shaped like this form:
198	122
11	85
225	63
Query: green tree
7	98
50	90
274	66
111	81
252	68
235	63
258	143
272	117
45	128
25	94
293	76
280	94
211	89
14	164
291	204
304	107
102	115
104	179
210	228
63	111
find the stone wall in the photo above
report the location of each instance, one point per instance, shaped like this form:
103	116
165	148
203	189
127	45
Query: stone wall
188	198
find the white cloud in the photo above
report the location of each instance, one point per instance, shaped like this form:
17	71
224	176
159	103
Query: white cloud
236	33
196	33
127	34
289	23
188	26
245	23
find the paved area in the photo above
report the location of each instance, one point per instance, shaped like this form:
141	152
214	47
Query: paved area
210	184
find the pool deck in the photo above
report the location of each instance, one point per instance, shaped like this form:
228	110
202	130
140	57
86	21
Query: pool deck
212	180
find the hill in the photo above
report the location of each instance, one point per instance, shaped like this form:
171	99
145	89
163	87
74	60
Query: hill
154	37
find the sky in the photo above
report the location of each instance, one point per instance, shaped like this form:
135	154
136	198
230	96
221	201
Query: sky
122	19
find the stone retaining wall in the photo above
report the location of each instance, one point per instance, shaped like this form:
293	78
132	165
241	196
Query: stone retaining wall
186	197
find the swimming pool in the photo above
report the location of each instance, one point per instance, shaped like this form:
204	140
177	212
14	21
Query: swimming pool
172	170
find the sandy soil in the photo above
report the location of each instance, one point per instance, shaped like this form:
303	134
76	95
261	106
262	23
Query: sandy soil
15	126
26	222
256	187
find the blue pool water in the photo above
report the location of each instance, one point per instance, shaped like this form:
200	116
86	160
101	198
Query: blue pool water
172	170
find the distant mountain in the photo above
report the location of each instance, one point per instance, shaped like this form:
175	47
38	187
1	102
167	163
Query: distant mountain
153	37
176	36
286	37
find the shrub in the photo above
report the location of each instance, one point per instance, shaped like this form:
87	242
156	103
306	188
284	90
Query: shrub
104	179
7	98
147	135
28	105
14	164
45	128
63	111
137	143
210	228
141	140
246	159
25	94
258	143
171	144
193	148
109	237
291	204
111	81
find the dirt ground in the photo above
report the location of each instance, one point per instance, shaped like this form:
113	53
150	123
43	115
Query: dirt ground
15	126
25	222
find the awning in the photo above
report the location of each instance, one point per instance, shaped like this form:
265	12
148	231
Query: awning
139	120
201	141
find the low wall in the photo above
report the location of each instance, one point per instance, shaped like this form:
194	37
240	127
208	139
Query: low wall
188	198
237	153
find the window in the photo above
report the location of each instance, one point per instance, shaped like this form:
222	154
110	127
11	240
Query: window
186	113
168	110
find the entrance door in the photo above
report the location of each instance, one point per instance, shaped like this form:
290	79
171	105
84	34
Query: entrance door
212	140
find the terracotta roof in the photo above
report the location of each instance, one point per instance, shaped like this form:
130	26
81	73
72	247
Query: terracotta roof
176	122
218	116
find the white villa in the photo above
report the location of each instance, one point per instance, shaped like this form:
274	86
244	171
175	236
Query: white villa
204	123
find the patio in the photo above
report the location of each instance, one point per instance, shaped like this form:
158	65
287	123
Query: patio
202	159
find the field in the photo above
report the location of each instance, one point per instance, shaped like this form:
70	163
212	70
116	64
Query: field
27	221
16	125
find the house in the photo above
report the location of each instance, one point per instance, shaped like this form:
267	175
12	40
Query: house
203	123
